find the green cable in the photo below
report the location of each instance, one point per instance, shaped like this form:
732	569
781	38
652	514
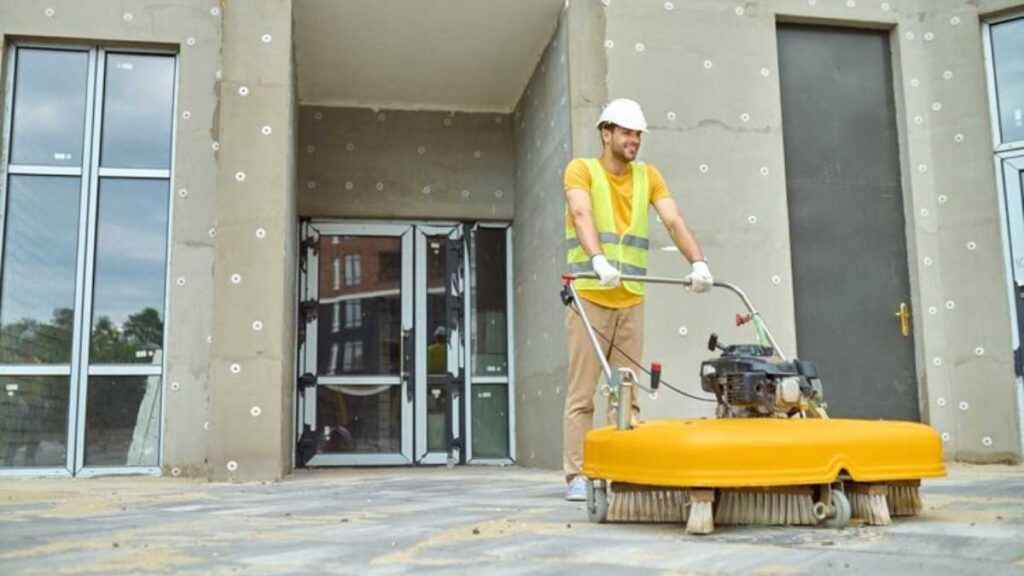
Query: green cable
762	331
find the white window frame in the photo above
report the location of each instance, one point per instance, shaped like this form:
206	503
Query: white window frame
1002	153
80	369
997	129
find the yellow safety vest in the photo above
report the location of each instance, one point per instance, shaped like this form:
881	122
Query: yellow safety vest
627	252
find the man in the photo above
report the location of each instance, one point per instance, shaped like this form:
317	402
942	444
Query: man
437	352
607	201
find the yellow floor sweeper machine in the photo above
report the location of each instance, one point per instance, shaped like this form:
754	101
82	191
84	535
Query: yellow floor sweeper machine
772	456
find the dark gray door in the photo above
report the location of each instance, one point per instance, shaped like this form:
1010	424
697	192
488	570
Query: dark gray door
847	229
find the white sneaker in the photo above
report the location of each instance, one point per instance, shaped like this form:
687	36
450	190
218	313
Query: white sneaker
577	491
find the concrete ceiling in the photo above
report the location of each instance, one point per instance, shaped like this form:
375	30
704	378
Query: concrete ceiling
467	55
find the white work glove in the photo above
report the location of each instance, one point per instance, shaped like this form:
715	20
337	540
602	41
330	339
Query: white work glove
607	274
700	277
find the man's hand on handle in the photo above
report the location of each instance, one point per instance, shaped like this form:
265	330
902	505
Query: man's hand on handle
607	274
700	277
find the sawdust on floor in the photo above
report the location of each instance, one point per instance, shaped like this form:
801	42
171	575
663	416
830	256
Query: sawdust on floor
501	528
777	570
133	561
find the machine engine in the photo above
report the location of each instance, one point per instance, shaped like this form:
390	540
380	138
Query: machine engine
749	381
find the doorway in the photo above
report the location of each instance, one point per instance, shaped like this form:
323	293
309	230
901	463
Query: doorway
395	333
847	227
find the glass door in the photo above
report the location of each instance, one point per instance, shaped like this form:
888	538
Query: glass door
1013	190
357	388
440	310
390	317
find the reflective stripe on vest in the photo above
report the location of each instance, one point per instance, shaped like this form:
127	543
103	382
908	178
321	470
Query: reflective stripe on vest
627	252
605	238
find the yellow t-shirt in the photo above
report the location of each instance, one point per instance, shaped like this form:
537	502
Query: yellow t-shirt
578	176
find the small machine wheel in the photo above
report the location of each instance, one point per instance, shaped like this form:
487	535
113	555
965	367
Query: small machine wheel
842	512
597	501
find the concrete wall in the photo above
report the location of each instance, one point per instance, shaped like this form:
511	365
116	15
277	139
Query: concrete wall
222	225
707	74
362	163
543	144
252	367
194	28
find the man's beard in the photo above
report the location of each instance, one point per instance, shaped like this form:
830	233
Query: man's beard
623	153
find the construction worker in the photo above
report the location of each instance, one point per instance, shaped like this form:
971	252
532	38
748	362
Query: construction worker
607	201
437	352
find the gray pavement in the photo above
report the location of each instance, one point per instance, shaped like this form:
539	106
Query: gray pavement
468	520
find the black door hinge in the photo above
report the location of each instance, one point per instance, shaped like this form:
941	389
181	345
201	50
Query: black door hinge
307	380
308	310
310	243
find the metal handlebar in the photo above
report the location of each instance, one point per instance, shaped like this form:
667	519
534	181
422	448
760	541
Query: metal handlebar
569	280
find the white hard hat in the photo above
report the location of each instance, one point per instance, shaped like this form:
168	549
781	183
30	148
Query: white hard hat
440	332
624	112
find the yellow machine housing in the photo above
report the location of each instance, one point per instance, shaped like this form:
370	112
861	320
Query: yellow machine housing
762	452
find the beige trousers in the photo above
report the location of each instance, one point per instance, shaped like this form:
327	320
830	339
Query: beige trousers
624	327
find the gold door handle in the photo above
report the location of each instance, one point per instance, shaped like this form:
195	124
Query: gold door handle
903	313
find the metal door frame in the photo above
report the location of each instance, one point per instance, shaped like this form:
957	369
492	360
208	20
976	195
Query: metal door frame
510	379
1011	211
414	235
306	400
1005	155
458	344
1010	165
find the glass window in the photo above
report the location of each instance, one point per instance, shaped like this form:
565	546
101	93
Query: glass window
332	365
131	271
353	270
437	418
490	303
49	107
336	317
52	288
437	305
353	313
336	273
353	360
33	421
1008	59
37	299
378	297
389	266
137	111
122	426
359	419
490	421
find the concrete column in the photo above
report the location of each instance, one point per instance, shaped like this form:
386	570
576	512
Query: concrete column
252	363
543	144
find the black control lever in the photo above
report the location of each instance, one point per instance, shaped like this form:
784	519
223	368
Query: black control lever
713	343
655	376
566	295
